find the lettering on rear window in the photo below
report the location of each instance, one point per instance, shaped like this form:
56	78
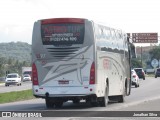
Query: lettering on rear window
62	34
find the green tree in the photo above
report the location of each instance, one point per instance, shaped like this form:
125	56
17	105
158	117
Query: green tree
2	66
9	61
16	50
24	63
155	53
136	63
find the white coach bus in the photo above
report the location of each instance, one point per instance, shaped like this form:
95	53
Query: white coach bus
78	59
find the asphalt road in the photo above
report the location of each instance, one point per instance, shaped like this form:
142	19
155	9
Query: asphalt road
25	85
144	98
149	90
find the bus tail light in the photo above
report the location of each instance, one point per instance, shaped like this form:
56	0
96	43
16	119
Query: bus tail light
34	75
92	74
134	76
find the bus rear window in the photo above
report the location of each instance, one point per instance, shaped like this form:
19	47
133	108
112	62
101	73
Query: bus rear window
62	34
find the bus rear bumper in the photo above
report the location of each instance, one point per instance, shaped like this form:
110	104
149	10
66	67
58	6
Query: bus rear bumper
68	92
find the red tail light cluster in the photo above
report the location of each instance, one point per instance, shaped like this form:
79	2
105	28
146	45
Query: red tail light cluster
134	76
92	74
34	75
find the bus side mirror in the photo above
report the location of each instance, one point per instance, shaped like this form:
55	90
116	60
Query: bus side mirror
132	51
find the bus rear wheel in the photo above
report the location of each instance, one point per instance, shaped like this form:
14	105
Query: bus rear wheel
104	100
49	103
121	99
76	101
58	104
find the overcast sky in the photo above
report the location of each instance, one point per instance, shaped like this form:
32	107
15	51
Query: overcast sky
18	16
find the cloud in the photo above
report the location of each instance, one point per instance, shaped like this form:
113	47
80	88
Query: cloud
16	33
18	16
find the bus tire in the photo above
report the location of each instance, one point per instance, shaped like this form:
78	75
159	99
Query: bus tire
58	104
127	87
49	103
136	86
94	104
121	99
104	100
76	101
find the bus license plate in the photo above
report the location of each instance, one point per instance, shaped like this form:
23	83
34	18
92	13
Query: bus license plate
63	82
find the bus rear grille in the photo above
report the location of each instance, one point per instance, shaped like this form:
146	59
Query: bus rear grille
63	52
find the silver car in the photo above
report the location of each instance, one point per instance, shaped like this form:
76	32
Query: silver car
26	77
13	79
135	78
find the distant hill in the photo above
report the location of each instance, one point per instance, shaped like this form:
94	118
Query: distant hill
16	50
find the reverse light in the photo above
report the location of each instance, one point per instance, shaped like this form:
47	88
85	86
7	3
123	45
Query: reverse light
34	75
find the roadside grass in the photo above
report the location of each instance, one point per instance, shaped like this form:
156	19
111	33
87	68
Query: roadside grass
1	83
150	75
16	96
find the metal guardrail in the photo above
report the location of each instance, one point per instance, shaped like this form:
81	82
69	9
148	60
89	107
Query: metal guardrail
2	78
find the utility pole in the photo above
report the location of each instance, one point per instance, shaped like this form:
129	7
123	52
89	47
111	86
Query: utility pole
141	57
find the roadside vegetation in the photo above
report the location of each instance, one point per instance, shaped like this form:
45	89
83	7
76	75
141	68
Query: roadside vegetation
1	82
14	56
150	75
143	60
16	96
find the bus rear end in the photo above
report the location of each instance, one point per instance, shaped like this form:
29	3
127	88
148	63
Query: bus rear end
63	66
